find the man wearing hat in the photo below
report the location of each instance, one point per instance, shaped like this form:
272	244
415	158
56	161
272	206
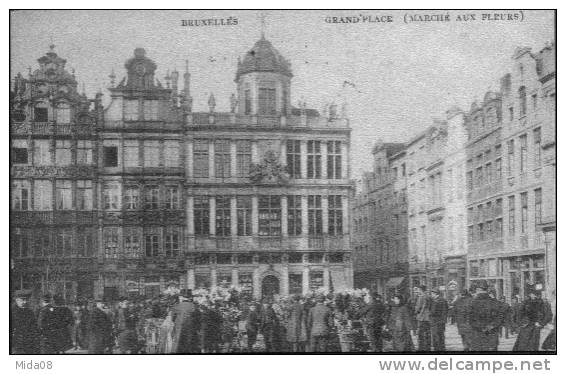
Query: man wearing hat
533	316
319	323
374	314
485	319
422	315
186	317
99	329
23	325
438	316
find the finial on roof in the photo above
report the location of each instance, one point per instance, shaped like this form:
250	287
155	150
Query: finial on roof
112	77
262	16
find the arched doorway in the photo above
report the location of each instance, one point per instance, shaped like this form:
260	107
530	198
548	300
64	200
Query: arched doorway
269	286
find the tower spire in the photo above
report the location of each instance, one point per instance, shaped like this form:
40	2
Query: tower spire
262	16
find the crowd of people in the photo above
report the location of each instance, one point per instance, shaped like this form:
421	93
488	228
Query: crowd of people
227	321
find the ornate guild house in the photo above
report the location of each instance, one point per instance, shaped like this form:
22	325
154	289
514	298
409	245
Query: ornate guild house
143	193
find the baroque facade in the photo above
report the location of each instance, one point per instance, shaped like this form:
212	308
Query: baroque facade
255	198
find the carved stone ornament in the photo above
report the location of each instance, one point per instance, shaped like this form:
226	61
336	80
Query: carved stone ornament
269	170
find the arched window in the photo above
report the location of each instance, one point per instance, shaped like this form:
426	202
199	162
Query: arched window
522	101
40	113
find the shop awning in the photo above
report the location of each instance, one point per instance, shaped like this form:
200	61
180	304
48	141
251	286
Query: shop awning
394	282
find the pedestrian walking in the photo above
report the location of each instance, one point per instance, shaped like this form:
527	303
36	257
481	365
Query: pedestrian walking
55	321
99	329
438	318
269	326
507	318
186	317
319	322
485	319
374	315
399	325
462	317
252	326
534	315
23	325
422	315
296	326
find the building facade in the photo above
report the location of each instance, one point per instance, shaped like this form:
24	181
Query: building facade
256	198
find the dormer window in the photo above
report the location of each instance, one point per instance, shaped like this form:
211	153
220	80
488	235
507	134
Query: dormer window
151	110
267	101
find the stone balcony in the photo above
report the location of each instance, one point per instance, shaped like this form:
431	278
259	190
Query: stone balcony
250	243
61	217
51	129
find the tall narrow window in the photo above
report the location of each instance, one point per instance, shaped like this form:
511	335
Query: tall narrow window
266	101
243	158
63	152
201	215
131	153
151	243
111	246
244	213
171	197
43	194
84	195
21	195
335	215
110	154
269	215
511	202
19	151
522	101
537	146
111	196
151	197
294	158
151	110
172	243
151	153
538	206
488	173
132	242
223	223
85	242
313	159
63	244
334	160
498	172
131	110
222	158
510	157
64	194
479	177
131	198
40	113
294	215
524	212
171	153
200	158
63	113
523	141
84	152
315	215
470	180
247	102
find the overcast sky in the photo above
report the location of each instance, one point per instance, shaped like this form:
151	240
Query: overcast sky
405	74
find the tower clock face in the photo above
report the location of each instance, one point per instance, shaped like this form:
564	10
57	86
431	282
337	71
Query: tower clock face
140	69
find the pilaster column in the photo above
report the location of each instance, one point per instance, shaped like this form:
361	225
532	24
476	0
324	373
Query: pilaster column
303	159
211	170
191	279
255	154
326	278
256	284
255	223
284	216
212	215
324	206
345	215
233	217
283	152
190	216
213	272
189	159
235	277
305	280
345	148
233	163
324	157
285	280
305	215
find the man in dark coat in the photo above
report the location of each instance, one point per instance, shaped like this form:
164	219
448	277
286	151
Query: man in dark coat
507	318
23	325
462	316
438	317
375	315
186	317
211	328
54	324
320	323
99	329
269	326
422	315
252	326
534	316
485	319
296	325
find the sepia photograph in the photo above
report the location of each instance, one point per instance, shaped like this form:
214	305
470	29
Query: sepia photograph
282	182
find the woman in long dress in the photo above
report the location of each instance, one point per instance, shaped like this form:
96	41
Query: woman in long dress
166	334
400	324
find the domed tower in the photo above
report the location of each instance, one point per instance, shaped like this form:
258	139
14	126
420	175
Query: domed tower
264	81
